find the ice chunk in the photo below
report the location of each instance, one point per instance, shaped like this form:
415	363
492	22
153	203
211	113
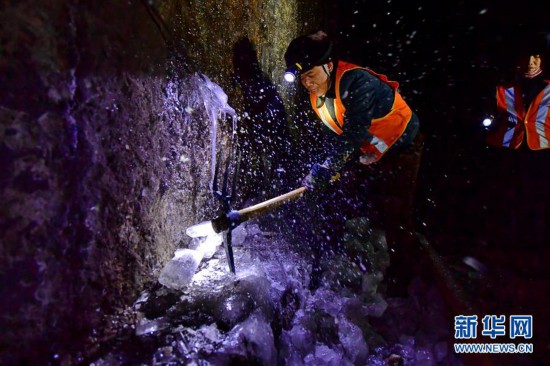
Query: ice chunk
370	283
255	336
142	299
301	338
253	229
195	242
203	229
276	275
147	326
327	301
179	271
377	306
209	245
238	235
407	343
325	356
211	332
351	338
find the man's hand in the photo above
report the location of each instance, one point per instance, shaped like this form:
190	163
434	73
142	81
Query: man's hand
367	159
318	178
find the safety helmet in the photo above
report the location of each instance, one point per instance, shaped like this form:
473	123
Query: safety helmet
533	44
306	52
524	41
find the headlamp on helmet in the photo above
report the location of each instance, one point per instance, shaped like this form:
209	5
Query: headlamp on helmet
292	72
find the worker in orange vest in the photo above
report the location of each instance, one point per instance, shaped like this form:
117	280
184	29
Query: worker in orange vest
366	121
522	108
521	128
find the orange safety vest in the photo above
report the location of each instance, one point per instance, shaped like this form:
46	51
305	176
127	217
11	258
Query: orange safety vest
385	130
535	122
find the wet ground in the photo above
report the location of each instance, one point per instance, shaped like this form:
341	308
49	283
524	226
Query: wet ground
271	313
277	309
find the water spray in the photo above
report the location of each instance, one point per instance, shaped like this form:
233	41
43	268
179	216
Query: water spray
232	218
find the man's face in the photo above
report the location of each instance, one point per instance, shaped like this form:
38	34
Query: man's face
316	79
531	63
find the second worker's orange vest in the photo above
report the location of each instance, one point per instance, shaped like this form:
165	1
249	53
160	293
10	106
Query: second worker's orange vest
535	121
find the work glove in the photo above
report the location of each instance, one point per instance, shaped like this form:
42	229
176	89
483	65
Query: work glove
318	178
368	159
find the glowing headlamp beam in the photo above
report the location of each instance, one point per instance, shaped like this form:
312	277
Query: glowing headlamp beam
292	72
487	122
289	77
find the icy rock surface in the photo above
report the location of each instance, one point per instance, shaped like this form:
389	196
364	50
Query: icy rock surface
268	314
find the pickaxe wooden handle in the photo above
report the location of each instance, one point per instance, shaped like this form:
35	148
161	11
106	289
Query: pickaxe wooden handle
223	223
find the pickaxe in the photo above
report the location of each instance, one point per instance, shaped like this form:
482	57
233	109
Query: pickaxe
226	223
232	218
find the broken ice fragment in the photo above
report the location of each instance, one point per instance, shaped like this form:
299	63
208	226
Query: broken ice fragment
211	332
377	307
209	245
255	334
147	326
324	355
179	271
203	229
351	339
238	235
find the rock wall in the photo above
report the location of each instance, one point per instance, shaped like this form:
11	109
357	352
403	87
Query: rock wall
105	149
241	46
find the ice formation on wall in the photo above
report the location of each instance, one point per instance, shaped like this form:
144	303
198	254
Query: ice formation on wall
196	92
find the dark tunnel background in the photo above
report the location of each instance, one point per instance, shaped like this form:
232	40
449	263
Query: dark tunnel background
472	201
448	58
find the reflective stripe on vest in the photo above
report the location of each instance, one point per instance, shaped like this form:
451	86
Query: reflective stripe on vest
511	133
385	130
327	118
535	122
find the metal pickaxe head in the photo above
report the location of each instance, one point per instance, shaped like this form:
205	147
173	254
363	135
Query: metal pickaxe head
230	219
226	222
